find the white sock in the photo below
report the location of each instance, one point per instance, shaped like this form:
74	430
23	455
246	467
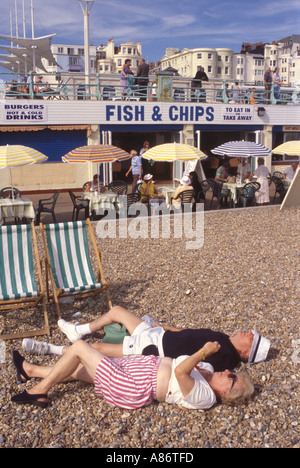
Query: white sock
83	329
54	349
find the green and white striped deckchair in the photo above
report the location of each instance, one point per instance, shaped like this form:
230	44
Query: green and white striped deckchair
18	286
69	263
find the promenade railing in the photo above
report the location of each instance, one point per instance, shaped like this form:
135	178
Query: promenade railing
102	87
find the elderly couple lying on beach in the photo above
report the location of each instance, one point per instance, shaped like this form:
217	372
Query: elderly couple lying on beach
187	367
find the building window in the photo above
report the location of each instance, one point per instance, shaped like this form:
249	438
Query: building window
199	56
209	56
209	68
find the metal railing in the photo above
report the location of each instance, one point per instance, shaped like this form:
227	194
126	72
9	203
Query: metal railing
109	87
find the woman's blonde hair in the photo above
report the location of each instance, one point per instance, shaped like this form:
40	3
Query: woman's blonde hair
242	394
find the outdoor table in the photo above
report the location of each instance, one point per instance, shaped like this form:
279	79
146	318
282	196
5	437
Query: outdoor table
286	183
99	202
233	189
167	191
16	208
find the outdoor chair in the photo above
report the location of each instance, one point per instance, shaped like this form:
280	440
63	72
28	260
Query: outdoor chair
118	186
206	185
131	199
79	204
218	192
247	193
21	284
47	205
279	188
10	192
278	174
85	185
185	197
69	268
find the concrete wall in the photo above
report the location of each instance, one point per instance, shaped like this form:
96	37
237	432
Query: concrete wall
48	177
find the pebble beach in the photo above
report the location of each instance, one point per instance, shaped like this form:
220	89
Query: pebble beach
245	276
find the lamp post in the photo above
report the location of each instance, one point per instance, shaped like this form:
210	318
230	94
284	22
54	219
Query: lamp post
86	7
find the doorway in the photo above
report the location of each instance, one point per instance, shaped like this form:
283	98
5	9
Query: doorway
129	140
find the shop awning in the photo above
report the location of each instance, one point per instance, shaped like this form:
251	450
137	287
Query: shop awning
35	128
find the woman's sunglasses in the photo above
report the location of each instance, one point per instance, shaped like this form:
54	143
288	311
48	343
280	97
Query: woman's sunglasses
232	377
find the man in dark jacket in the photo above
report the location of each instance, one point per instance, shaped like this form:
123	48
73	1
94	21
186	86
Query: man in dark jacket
142	74
197	83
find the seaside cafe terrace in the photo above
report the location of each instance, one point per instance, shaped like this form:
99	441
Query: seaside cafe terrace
67	111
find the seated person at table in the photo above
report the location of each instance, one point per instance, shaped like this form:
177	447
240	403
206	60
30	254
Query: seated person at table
184	185
94	184
262	173
199	194
137	381
148	337
149	193
222	174
289	172
243	170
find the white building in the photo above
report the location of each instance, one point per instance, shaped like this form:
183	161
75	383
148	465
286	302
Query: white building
110	58
71	59
217	63
249	67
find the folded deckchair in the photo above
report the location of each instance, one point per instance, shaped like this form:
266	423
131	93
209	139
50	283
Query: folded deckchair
68	263
19	267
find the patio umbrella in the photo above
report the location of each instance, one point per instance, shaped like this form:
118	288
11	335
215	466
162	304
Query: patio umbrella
171	152
96	154
290	148
241	149
18	155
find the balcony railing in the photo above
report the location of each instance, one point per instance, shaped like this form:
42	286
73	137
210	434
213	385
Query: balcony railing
109	88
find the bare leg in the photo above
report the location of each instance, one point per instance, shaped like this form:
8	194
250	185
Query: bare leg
116	314
79	353
41	372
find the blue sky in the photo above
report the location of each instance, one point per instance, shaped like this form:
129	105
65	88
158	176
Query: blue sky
160	23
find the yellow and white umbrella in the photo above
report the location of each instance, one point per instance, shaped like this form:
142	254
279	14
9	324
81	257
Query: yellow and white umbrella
18	155
171	152
290	148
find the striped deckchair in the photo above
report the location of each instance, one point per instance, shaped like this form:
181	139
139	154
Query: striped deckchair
18	268
68	262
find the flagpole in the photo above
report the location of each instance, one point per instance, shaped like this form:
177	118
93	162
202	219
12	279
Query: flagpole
86	13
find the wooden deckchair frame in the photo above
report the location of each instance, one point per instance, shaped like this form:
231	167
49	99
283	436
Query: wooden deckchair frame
29	301
57	292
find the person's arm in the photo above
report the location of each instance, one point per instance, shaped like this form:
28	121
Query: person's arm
128	172
158	193
219	178
184	369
